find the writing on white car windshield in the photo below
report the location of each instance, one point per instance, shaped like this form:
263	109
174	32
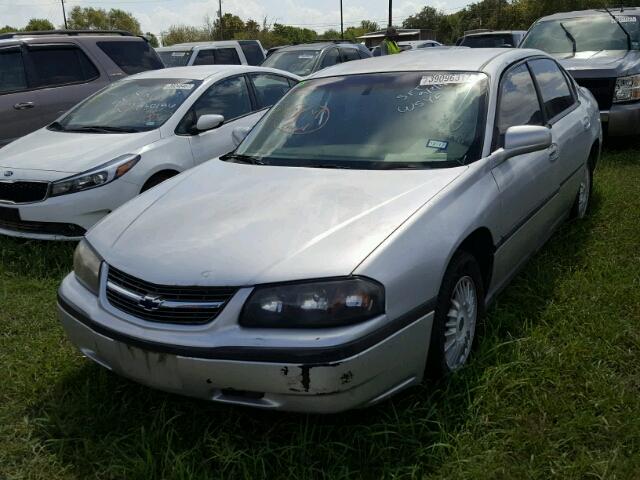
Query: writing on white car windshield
374	121
298	62
128	106
593	33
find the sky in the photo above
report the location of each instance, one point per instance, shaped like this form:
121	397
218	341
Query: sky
158	15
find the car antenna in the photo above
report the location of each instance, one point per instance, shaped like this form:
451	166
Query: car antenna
620	25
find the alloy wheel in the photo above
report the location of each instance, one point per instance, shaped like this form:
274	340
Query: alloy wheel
461	323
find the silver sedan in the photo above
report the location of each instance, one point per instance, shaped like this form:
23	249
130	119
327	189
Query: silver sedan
351	243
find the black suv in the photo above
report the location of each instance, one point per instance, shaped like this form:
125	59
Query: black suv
307	58
600	49
43	74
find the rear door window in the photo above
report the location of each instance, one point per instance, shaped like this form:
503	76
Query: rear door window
331	57
227	56
349	54
252	52
60	65
229	98
132	56
205	57
518	103
556	94
269	88
12	74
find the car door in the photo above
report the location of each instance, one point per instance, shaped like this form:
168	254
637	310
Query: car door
269	88
64	76
230	98
19	105
527	183
568	120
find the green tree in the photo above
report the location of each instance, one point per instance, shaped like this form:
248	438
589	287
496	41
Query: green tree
38	24
88	18
153	40
8	29
181	34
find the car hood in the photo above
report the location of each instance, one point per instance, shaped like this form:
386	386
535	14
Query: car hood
69	153
232	224
602	63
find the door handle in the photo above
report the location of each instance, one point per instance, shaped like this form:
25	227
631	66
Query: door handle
24	105
554	152
586	123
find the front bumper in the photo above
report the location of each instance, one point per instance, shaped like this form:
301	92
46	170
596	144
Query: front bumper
313	380
622	120
66	217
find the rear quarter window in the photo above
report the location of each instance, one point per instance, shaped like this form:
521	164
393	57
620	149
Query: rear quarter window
132	56
252	52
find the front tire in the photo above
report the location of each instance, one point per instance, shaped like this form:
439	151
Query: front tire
460	306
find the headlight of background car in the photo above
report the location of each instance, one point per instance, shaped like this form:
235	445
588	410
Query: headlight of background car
96	177
627	89
86	266
318	304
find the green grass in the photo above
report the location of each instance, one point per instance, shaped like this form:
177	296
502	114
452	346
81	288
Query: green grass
553	390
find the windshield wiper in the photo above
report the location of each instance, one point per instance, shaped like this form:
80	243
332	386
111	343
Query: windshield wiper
102	129
570	37
239	158
620	25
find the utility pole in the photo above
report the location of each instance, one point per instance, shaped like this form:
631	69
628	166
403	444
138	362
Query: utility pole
64	15
390	15
341	22
220	20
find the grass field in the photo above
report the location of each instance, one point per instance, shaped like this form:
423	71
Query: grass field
553	390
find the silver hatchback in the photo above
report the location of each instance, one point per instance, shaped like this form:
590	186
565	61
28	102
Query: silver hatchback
352	241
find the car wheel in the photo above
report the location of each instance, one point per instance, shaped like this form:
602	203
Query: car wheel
583	197
156	179
460	305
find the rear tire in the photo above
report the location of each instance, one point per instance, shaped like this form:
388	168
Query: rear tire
459	308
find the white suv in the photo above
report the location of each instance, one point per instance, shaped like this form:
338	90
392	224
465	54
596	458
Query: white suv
231	52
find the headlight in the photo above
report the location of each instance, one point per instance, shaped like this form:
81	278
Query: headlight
86	266
627	89
96	177
317	304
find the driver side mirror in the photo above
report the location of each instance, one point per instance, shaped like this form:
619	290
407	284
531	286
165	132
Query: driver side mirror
239	134
208	122
521	140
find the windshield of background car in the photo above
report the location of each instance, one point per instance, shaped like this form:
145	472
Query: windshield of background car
299	62
135	105
375	121
175	58
591	33
488	41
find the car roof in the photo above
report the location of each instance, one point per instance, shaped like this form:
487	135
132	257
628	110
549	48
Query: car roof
593	12
316	46
495	32
191	45
203	72
18	39
432	59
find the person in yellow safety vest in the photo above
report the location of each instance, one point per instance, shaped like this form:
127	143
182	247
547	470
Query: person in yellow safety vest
389	45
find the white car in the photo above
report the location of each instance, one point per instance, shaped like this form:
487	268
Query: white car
60	180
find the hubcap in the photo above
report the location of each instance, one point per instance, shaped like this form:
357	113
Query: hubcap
461	323
583	194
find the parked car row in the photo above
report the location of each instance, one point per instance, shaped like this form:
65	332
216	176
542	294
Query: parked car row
354	221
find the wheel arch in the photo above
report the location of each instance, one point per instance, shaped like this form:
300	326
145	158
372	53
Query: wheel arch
164	173
480	244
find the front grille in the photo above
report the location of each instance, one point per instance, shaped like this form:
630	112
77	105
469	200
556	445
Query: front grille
602	89
165	303
45	228
23	192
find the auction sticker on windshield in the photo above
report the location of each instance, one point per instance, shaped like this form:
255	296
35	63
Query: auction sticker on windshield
440	78
178	86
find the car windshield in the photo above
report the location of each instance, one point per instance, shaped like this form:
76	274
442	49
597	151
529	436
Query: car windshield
298	62
130	105
496	40
374	121
175	58
583	34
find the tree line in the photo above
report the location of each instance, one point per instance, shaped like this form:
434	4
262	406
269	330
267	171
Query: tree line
490	14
